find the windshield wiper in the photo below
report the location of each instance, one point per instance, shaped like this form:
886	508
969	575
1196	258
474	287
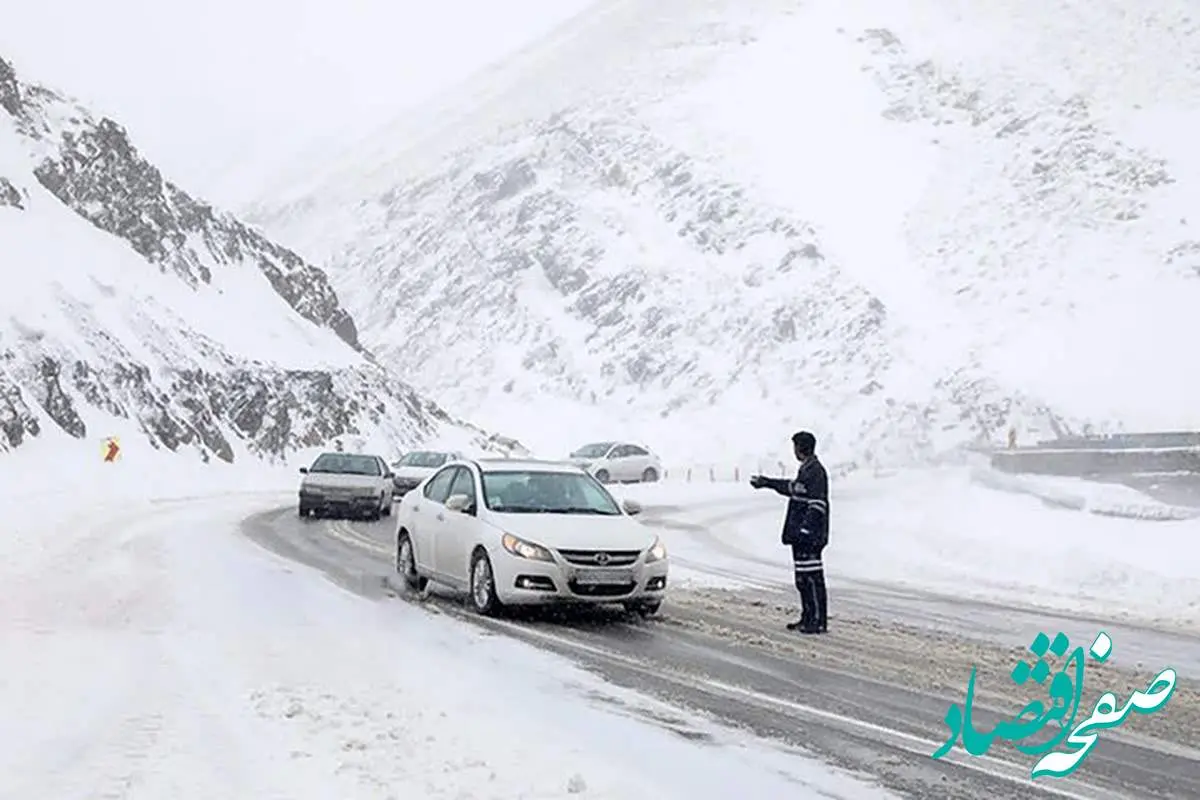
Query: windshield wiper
584	510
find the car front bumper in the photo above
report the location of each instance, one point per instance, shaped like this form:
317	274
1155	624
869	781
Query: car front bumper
523	582
339	503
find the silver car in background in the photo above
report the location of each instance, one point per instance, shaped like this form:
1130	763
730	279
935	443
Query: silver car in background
412	468
346	484
618	462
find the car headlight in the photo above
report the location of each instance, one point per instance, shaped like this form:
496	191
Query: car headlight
657	552
523	549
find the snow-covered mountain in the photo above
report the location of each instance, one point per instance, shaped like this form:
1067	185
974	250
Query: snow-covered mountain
125	298
907	227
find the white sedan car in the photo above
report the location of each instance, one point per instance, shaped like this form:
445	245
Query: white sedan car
528	533
618	462
348	484
412	468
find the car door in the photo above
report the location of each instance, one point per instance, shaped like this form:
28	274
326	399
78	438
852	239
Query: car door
458	533
428	518
639	459
619	460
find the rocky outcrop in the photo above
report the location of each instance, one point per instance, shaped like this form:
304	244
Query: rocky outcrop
95	169
923	269
268	411
10	90
140	361
99	174
17	421
9	195
620	269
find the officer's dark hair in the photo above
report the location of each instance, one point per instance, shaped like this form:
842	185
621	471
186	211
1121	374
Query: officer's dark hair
805	442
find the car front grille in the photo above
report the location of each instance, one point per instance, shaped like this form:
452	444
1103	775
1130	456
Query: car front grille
590	590
601	558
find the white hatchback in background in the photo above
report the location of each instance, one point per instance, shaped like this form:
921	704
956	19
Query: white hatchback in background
414	467
618	462
347	484
528	533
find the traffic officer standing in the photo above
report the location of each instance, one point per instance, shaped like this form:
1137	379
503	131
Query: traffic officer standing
805	529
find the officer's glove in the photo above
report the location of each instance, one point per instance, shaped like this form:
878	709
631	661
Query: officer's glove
758	481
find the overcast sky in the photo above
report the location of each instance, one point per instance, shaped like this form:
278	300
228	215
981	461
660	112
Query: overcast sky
222	93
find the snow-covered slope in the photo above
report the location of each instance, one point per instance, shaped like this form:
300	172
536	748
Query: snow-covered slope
905	226
124	297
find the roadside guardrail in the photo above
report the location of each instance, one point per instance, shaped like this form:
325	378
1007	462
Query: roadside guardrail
1122	454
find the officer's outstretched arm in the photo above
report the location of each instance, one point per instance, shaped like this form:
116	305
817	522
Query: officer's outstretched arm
781	485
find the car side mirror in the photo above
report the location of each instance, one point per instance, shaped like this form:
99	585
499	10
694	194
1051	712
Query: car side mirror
304	470
389	474
460	503
631	507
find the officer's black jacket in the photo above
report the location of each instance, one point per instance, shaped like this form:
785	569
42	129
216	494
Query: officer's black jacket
806	525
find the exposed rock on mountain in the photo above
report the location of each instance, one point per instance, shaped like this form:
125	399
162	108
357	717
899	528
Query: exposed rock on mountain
906	227
587	259
126	297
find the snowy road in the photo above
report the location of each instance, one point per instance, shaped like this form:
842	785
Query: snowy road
869	697
978	620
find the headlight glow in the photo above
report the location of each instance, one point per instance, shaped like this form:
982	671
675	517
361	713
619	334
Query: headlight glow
523	549
658	551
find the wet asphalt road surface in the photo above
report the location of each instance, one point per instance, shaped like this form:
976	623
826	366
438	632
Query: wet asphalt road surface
870	696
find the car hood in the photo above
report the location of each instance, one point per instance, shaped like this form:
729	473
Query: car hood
577	531
413	473
332	480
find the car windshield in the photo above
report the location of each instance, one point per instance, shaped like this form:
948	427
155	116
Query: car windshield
423	459
592	450
532	492
345	464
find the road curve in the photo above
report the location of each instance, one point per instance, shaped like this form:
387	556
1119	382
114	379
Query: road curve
870	696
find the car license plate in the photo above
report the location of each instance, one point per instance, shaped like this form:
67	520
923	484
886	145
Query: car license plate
604	577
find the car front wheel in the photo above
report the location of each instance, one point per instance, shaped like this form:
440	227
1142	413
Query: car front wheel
483	586
406	565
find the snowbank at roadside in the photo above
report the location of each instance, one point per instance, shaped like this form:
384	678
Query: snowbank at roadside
1077	494
940	530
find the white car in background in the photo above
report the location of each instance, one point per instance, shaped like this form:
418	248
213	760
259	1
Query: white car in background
347	484
412	468
513	532
618	462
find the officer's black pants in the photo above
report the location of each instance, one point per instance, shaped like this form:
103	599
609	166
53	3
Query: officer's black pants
810	582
